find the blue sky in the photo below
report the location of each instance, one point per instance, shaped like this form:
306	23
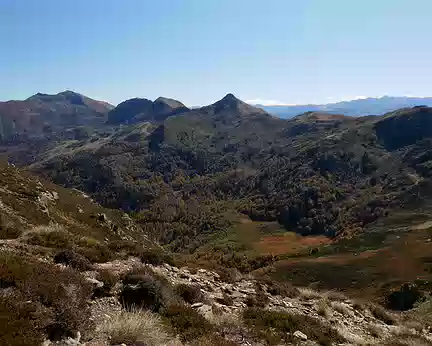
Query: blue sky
282	51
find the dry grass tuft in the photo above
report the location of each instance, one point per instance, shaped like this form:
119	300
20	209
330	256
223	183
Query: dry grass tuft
323	308
375	330
212	340
335	296
342	308
382	314
417	340
353	339
220	318
360	305
136	327
309	294
423	313
52	236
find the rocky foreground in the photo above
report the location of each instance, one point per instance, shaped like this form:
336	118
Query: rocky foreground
223	304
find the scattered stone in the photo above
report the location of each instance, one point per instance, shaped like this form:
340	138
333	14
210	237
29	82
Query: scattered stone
95	283
206	311
288	304
300	335
237	293
102	217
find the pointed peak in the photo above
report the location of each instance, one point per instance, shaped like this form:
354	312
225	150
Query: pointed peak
230	98
231	103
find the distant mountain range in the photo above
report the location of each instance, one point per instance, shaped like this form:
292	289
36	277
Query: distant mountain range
367	106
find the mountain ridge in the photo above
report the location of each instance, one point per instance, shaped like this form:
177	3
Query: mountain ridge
357	107
140	109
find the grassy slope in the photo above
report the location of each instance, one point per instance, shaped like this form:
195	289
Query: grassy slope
27	202
386	255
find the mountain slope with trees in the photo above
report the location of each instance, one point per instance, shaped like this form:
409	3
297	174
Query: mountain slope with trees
316	174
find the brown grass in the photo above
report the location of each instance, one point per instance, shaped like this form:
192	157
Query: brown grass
382	314
186	322
63	292
212	340
309	294
323	308
342	308
277	326
22	322
136	327
289	243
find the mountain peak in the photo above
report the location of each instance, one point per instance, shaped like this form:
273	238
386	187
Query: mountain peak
229	99
169	102
233	104
138	110
69	93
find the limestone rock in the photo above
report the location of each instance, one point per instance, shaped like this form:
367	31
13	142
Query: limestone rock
298	334
95	283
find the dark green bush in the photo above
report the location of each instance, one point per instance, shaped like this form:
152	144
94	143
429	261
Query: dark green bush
9	232
190	294
156	257
109	279
144	288
186	322
404	298
72	259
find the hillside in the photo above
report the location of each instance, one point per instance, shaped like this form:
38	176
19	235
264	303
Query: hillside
303	173
29	205
72	273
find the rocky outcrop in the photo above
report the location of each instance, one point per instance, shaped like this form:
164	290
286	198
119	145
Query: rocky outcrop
226	300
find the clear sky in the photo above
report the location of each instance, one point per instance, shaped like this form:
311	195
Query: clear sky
289	51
